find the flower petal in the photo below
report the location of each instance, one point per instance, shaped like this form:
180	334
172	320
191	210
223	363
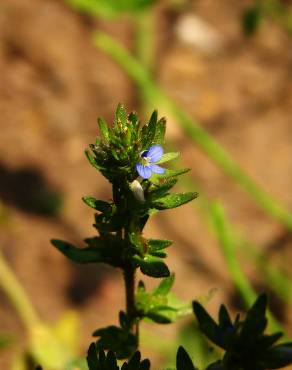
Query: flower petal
157	169
155	152
143	171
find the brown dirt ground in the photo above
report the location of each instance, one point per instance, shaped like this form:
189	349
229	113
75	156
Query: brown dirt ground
53	85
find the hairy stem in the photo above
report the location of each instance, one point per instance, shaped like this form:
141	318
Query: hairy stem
129	276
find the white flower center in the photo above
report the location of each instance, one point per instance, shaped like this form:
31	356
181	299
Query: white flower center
146	161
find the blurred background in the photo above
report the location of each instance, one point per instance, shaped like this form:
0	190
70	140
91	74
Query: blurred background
227	66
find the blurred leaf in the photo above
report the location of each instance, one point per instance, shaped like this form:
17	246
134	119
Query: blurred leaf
48	349
5	340
251	19
160	305
67	330
109	8
165	285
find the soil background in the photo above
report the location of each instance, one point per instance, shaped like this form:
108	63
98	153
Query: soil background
54	84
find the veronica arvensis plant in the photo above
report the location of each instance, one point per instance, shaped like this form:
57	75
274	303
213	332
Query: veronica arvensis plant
129	155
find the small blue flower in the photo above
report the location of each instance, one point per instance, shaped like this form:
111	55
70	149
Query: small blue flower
149	157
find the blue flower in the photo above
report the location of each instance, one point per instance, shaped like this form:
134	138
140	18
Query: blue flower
149	157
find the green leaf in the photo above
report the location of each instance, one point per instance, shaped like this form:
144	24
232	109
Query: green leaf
156	178
152	266
168	157
148	131
157	245
92	161
98	205
174	200
183	360
224	318
135	363
207	325
104	130
120	116
160	131
165	285
255	321
161	189
278	356
92	359
109	8
86	255
116	339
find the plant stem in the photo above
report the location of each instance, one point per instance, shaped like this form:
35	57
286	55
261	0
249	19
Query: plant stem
17	295
129	276
198	134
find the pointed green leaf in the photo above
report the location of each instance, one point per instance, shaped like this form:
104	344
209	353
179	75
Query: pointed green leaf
156	178
92	161
104	130
162	189
92	359
207	325
148	131
86	255
121	116
255	321
174	200
98	205
160	131
157	245
168	157
267	341
152	266
165	285
224	318
278	356
183	360
134	361
116	339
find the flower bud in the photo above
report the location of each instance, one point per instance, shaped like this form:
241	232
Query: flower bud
137	190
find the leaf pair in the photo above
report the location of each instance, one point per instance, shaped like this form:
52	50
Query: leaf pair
160	305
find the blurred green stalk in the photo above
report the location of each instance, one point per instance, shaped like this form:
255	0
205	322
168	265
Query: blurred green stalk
227	244
17	296
155	95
